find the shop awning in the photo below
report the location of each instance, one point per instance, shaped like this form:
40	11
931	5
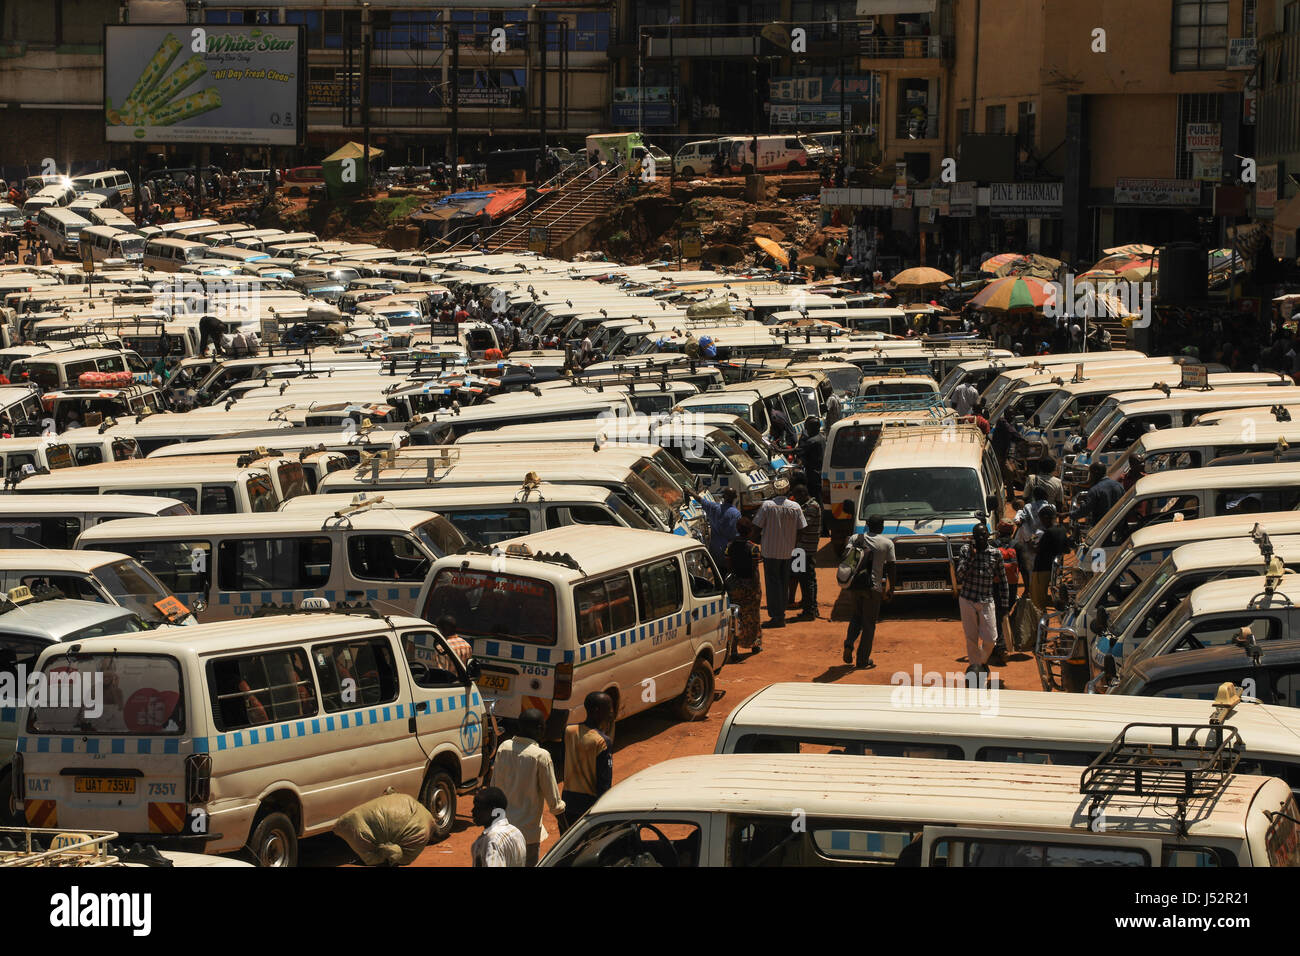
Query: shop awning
876	8
1286	215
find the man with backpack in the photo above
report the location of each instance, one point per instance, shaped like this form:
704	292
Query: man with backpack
868	574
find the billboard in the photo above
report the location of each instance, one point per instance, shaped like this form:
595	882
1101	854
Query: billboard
658	108
204	84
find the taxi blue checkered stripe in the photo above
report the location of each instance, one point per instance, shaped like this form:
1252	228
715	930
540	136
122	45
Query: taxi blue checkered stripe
251	736
846	475
291	597
606	645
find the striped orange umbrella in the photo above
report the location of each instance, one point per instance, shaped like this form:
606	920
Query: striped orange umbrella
1013	293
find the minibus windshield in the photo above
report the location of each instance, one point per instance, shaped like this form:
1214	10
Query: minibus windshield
1047	411
742	462
141	696
1140	598
486	604
134	588
440	536
913	493
664	488
1158	638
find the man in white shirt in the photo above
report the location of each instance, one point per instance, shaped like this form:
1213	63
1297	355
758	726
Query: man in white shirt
781	520
526	775
964	397
500	843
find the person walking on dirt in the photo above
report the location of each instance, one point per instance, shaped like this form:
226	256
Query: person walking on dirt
588	761
500	843
526	775
780	520
871	584
981	586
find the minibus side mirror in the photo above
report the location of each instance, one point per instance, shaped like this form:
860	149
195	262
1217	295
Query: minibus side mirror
473	669
991	505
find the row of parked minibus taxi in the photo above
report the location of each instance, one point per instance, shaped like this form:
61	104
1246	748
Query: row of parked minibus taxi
249	591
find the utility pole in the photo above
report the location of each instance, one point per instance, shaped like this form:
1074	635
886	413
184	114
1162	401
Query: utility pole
541	42
454	39
365	99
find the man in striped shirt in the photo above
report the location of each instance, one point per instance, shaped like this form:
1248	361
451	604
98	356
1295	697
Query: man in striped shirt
781	520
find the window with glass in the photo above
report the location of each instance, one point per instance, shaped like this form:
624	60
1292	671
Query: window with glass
386	557
766	841
486	604
604	607
995	119
1200	35
659	589
703	574
249	690
147	699
356	673
289	563
989	851
311	21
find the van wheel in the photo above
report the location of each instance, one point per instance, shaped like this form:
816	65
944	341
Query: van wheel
696	700
11	814
688	171
274	842
438	795
792	167
747	169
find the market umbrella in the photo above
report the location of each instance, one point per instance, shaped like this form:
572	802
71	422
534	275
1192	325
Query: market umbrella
773	249
817	262
1002	259
1133	248
920	276
1119	261
1013	293
1140	269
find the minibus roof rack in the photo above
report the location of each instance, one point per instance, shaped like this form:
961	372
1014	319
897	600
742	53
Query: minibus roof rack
1178	771
918	401
524	552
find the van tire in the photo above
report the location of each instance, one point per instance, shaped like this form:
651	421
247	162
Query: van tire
11	815
688	170
274	842
792	167
697	698
438	796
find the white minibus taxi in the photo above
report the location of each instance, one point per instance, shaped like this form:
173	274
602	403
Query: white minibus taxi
734	810
229	566
495	513
205	488
254	734
954	722
640	615
94	576
109	242
168	255
61	228
54	521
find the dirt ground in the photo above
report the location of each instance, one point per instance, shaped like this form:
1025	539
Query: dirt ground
913	630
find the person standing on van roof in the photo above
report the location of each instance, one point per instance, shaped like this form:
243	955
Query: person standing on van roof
803	568
500	843
981	585
526	775
872	583
588	762
722	516
780	520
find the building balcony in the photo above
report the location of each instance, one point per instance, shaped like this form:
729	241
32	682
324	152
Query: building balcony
909	126
887	49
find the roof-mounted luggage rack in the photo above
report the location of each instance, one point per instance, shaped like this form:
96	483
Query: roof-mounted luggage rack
860	404
524	552
1179	771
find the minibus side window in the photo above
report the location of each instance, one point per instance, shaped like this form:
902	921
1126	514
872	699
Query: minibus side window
188	496
1055	758
649	842
603	607
39	532
257	563
1239	501
386	557
260	688
358	673
1199	856
578	514
89	454
995	852
261	493
489	527
771	841
433	664
703	575
71	585
183	566
659	589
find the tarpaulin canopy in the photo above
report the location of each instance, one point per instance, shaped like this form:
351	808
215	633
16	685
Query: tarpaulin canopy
505	201
333	165
709	309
